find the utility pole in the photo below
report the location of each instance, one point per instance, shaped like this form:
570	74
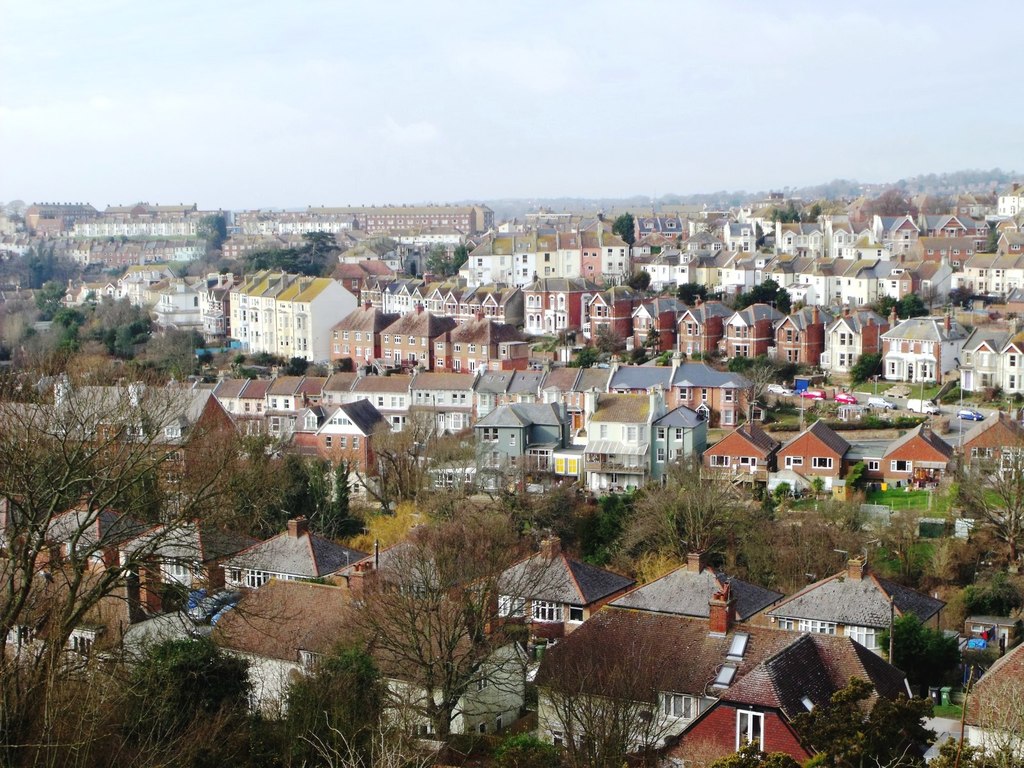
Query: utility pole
892	622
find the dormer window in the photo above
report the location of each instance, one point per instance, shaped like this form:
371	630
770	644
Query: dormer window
172	432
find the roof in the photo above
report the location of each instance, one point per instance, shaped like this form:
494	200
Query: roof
305	555
703	375
522	415
445	381
495	382
989	704
826	434
629	409
982	427
685	592
485	331
421	324
814	667
372	319
926	329
561	379
362	414
281	618
861	602
340	382
561	579
679	417
922	432
525	382
392	383
640	377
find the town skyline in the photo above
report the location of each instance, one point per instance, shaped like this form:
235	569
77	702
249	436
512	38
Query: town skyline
403	103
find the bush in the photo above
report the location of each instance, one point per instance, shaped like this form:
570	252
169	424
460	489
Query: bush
526	751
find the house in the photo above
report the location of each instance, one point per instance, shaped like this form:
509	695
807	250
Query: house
748	453
701	328
718	396
411	340
921	349
293	555
897	233
689	590
818	451
611	311
501	303
991	358
390	395
553	594
1011	200
854	602
482	344
357	336
992	442
994	718
852	334
800	337
556	305
343	433
762	704
749	332
618	440
446	398
919	458
283	630
679	434
519	437
655	323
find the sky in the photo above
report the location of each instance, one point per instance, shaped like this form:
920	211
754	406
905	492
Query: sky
240	103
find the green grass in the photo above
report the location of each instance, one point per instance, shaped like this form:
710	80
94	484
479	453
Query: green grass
899	499
928	393
952	711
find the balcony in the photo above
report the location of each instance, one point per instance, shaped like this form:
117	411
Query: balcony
618	464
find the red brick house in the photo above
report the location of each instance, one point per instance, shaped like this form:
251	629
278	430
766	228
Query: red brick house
816	452
989	440
800	337
919	458
762	704
748	451
611	310
749	332
482	343
346	434
701	327
357	336
659	316
553	305
411	340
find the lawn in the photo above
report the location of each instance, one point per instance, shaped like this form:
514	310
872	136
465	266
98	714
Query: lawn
921	500
952	711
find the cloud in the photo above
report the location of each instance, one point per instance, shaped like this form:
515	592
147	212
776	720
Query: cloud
416	132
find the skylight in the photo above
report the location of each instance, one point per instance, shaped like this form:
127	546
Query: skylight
725	676
807	703
738	647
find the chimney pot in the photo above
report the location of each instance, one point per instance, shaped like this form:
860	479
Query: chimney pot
856	568
298	526
722	611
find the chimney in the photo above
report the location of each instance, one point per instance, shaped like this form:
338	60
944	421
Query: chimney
949	323
551	547
367	304
479	314
419	309
695	562
893	319
722	612
298	526
856	567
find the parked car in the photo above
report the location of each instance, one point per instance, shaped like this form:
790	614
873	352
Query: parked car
813	394
880	402
778	389
847	398
923	406
207	607
969	414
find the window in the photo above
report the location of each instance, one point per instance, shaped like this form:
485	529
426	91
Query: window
511	606
720	461
873	465
821	462
863	635
794	461
576	613
817	627
256	579
661	455
749	727
545	611
677	705
900	465
661	433
489	435
512	439
787	624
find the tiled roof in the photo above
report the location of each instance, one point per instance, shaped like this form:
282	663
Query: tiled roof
824	433
627	409
702	375
340	382
228	388
925	433
982	427
757	437
632	377
814	667
561	379
256	389
593	378
421	324
393	383
686	593
371	319
284	385
306	555
521	415
561	580
445	381
861	602
989	704
281	618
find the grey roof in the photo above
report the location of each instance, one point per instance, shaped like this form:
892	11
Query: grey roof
362	414
856	320
926	329
679	417
526	382
995	337
305	555
593	378
687	593
702	375
561	579
522	415
640	377
756	312
861	602
494	383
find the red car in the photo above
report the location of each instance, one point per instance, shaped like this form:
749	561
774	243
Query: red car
846	398
813	394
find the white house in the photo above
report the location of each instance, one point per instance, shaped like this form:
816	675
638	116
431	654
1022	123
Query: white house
922	349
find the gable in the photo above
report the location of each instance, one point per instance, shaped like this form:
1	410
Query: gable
809	444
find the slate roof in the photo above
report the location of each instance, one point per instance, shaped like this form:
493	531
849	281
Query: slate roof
630	377
281	618
561	579
926	329
758	438
92	528
679	650
803	318
525	382
756	312
814	667
860	602
446	381
683	592
856	320
679	417
707	309
925	433
371	319
363	415
628	409
702	375
521	415
306	555
495	382
392	383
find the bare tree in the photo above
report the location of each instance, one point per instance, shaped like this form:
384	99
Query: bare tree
400	471
992	490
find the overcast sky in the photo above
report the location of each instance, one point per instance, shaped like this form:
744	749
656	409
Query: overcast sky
242	103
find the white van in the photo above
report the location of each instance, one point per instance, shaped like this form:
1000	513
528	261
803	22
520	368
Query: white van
923	406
